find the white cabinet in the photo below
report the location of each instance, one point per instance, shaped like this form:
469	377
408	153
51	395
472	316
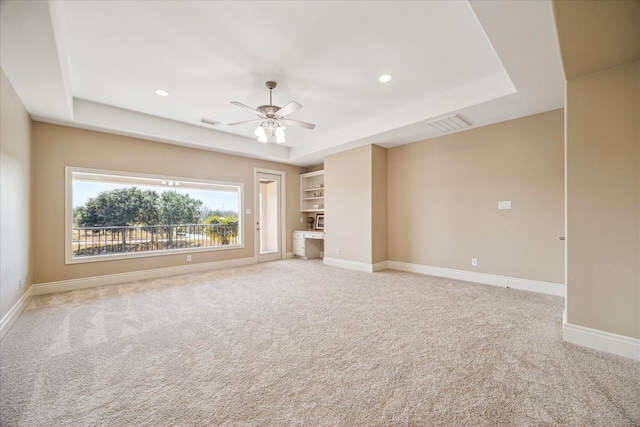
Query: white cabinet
298	243
308	244
312	191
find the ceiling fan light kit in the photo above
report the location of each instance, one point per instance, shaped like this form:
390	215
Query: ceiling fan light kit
272	119
262	136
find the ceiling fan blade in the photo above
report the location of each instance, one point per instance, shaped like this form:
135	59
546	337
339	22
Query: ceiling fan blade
245	122
241	105
299	124
288	109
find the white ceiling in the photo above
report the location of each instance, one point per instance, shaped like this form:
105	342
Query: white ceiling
97	64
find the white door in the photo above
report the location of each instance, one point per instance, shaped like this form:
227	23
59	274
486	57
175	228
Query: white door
268	216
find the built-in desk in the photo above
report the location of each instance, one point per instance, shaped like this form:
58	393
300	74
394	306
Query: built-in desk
308	244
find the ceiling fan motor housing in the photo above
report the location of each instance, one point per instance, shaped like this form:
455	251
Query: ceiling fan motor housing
268	111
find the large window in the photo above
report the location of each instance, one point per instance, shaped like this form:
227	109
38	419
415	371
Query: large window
112	215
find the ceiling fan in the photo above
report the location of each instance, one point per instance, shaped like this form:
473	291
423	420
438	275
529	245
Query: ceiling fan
272	118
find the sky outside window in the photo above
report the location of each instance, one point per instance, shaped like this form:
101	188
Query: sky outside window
213	200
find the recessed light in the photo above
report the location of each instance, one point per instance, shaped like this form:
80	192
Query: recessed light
384	78
162	92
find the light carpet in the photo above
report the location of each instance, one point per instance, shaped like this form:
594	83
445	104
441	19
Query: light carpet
298	343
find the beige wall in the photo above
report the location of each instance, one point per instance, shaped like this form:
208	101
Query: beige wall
356	203
379	204
55	147
348	205
15	169
603	200
601	57
598	34
444	193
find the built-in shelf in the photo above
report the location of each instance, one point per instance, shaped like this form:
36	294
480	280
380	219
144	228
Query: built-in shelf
312	191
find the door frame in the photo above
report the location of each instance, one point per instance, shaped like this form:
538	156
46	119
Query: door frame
283	213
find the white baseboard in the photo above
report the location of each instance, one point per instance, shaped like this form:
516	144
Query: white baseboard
600	340
579	335
111	279
486	279
9	319
354	265
349	265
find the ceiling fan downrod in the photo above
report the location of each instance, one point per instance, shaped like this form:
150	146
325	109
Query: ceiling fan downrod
271	86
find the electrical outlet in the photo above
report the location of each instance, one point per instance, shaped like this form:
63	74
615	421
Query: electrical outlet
21	283
474	262
337	251
188	258
301	219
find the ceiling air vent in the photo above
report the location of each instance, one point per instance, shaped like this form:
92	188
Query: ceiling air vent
449	124
210	122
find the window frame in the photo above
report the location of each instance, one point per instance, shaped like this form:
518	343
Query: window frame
68	215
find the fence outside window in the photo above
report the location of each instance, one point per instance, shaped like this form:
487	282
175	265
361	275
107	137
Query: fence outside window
91	241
